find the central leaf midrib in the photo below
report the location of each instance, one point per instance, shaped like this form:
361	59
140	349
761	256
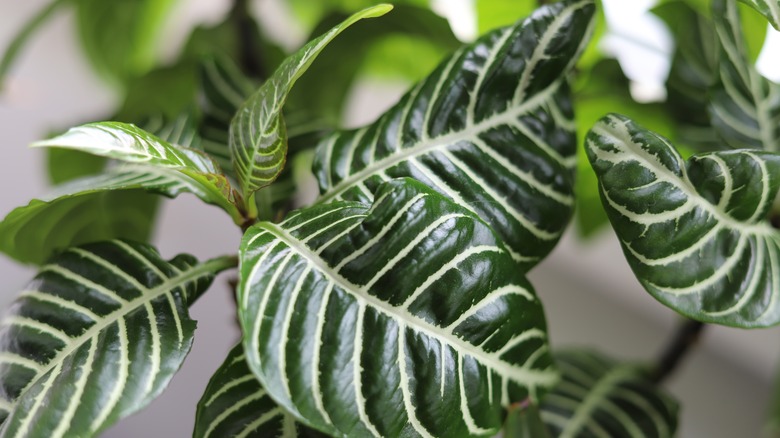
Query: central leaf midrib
447	139
599	392
504	369
122	311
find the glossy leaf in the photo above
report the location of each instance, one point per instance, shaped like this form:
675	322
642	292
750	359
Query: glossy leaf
745	106
235	405
96	336
138	22
128	143
599	397
768	8
258	137
600	90
492	128
695	233
406	318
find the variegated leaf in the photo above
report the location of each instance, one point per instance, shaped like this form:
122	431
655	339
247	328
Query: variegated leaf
407	318
745	106
695	233
258	137
95	337
128	143
224	89
491	128
599	397
235	405
768	8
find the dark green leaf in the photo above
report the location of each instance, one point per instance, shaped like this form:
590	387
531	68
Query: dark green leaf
235	405
695	233
599	397
524	421
406	318
120	37
603	89
694	71
492	128
96	336
745	107
258	137
492	14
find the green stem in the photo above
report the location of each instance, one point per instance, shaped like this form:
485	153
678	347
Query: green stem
24	35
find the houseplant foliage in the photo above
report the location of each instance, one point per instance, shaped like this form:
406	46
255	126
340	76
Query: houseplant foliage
397	304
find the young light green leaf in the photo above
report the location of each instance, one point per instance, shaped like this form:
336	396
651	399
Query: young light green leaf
190	168
745	107
96	336
138	22
235	405
525	421
768	8
258	137
348	354
695	233
492	14
599	397
92	209
492	128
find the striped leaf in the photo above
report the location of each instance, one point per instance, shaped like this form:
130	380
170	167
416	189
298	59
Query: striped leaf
407	318
128	143
235	405
224	88
258	137
745	107
695	233
599	397
492	128
95	337
693	72
770	9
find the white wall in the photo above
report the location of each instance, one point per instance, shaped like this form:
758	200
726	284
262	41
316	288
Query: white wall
592	298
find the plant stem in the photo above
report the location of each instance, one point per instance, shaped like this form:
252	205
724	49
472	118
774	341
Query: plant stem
686	336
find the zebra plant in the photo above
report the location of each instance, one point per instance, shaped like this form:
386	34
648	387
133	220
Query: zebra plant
397	303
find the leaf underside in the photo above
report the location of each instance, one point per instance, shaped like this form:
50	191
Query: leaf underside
95	337
695	233
598	397
458	337
492	128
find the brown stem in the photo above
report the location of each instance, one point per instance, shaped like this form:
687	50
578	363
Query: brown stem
687	335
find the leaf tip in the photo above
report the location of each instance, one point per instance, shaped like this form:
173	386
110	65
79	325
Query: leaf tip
377	11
